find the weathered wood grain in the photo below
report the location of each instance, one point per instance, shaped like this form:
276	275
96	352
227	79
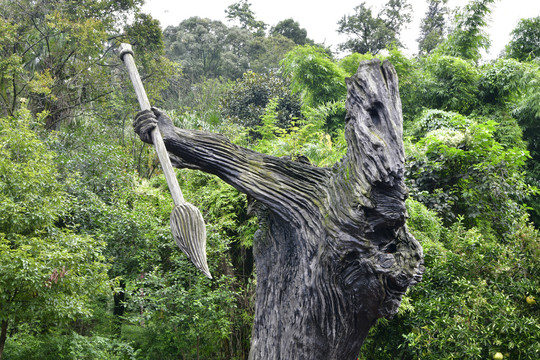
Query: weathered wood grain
332	253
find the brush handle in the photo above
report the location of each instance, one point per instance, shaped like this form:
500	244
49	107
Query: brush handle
126	55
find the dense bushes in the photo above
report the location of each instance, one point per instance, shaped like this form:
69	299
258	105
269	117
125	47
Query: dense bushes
49	273
459	169
475	298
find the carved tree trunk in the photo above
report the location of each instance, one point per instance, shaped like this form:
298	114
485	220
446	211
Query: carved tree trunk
332	252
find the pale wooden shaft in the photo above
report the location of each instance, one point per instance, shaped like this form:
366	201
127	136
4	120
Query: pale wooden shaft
136	80
157	139
165	162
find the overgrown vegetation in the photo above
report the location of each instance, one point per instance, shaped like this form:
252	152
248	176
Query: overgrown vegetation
88	266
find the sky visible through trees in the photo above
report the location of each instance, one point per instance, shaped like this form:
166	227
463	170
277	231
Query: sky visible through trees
320	18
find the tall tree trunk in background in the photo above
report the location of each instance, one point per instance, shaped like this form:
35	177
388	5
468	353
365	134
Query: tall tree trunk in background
119	298
3	336
332	252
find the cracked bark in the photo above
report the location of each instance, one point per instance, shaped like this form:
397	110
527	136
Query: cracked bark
332	253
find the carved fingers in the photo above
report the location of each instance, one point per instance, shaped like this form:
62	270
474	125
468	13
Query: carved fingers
145	121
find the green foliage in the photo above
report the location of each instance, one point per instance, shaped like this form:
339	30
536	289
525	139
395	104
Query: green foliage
527	106
145	34
525	42
507	131
184	316
433	26
314	75
371	34
245	100
54	54
306	138
200	102
176	295
468	38
501	82
10	65
31	197
47	274
111	203
49	277
102	169
267	52
527	113
471	302
413	78
451	85
26	344
291	29
328	118
351	62
225	211
241	12
230	231
432	119
424	223
208	49
459	169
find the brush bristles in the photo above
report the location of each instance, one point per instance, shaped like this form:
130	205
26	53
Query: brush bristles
189	232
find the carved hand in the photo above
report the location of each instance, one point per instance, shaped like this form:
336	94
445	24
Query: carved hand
146	120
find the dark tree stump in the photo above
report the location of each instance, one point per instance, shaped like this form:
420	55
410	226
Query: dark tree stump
332	252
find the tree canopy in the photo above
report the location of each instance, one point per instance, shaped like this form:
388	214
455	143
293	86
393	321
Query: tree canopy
291	29
433	26
525	44
241	13
468	37
372	33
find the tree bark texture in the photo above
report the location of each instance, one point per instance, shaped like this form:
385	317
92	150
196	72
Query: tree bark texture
332	253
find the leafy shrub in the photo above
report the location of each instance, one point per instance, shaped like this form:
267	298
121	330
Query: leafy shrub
314	75
433	119
500	82
351	62
307	137
48	275
451	84
423	223
465	171
185	315
472	301
31	196
57	346
200	100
